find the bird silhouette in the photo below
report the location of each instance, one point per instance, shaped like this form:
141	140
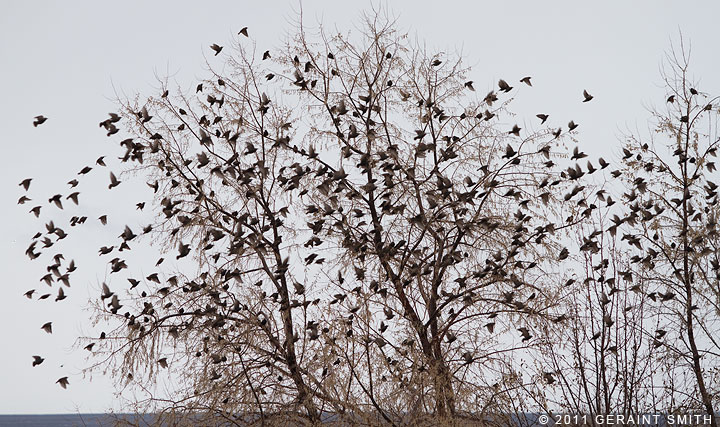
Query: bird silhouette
25	183
504	86
587	97
39	120
113	181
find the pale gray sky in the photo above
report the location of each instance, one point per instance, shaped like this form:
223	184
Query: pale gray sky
65	60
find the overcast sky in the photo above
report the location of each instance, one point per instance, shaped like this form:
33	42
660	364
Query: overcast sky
67	60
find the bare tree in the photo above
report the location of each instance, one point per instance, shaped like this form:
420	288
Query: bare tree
643	337
672	224
355	232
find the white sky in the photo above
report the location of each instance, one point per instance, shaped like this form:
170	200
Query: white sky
65	60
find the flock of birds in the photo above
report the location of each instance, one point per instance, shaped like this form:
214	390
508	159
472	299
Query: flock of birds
57	272
54	270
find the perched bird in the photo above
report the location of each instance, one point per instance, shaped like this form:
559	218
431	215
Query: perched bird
39	120
587	96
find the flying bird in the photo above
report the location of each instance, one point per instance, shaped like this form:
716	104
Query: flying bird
73	197
56	199
243	31
542	117
61	295
37	360
47	327
106	293
25	183
63	382
113	181
39	120
587	96
217	48
504	86
526	80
